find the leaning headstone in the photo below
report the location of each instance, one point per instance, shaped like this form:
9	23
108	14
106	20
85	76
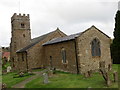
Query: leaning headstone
108	82
8	69
115	75
45	76
105	73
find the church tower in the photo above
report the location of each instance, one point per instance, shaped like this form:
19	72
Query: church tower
21	34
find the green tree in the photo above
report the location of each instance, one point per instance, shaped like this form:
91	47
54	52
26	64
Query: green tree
115	46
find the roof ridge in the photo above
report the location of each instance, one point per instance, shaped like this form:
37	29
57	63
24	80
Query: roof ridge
62	39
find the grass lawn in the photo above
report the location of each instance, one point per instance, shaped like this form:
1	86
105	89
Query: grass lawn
10	81
67	80
37	70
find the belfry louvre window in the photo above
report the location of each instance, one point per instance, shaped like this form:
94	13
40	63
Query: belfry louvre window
63	52
95	47
22	25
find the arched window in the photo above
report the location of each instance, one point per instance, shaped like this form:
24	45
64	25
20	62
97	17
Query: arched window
63	52
95	47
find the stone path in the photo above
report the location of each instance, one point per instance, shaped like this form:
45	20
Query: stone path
22	84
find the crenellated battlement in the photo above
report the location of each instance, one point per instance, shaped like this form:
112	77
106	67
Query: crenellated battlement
19	16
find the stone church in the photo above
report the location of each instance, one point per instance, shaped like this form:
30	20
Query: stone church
76	53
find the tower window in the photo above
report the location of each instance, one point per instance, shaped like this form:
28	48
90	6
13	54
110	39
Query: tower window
22	25
95	47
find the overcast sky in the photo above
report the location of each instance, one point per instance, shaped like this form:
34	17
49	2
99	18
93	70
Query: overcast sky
71	16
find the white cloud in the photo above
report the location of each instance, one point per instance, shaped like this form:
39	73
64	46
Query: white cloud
71	16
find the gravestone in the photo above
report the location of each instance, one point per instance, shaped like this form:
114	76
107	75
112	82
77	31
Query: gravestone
104	73
45	76
108	80
115	75
50	73
8	69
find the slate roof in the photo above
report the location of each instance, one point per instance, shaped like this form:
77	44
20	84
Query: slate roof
62	39
34	41
70	37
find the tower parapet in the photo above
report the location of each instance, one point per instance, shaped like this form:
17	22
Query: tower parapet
20	16
20	22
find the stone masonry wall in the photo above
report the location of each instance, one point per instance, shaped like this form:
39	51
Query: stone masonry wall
57	62
36	53
86	61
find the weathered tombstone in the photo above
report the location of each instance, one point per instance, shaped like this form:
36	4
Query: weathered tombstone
8	69
45	75
108	82
115	75
104	73
50	73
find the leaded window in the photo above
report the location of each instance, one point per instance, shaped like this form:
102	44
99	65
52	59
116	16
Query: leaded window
95	47
63	52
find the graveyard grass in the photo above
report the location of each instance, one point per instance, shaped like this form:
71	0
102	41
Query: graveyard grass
67	80
10	81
